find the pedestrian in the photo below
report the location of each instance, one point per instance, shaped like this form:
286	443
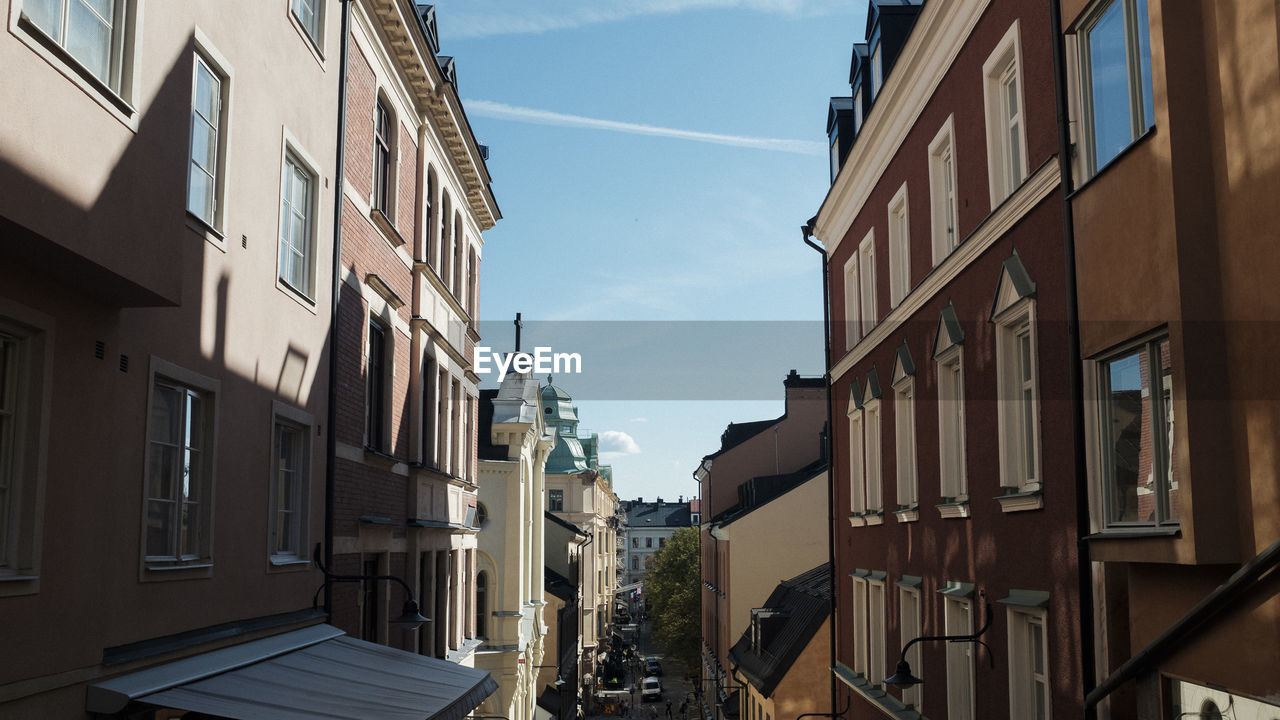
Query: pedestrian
668	710
684	709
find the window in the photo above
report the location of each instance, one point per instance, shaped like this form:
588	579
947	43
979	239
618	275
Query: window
958	617
179	474
204	171
871	439
635	563
1136	405
662	542
909	629
867	281
860	625
555	500
297	220
1115	77
92	32
1006	134
899	248
857	111
635	542
904	416
482	609
648	542
942	192
23	429
1018	406
857	483
376	387
1028	666
835	154
442	263
954	485
309	14
290	490
876	620
877	71
382	134
851	308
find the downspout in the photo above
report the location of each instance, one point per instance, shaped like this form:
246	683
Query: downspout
331	432
806	233
1075	381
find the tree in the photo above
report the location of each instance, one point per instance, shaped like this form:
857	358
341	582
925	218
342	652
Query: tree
672	590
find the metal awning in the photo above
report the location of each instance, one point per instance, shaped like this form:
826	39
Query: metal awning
313	672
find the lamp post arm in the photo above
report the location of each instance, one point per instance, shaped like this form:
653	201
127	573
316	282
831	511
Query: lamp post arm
955	638
357	578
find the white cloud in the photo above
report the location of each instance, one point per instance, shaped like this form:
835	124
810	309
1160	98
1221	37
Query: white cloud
485	18
639	419
501	111
615	443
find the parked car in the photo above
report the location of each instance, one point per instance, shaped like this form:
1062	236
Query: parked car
650	689
652	666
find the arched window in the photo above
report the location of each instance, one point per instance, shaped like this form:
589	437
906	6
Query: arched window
482	588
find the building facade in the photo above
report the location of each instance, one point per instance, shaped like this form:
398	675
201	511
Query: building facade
1172	187
415	200
648	527
954	495
510	609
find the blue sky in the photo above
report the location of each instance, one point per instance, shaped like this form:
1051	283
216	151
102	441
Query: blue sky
654	162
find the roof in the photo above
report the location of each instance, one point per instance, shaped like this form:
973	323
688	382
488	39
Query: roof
762	489
799	607
564	523
737	433
654	515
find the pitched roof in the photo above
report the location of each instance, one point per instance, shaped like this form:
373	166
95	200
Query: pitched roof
564	523
762	489
655	515
796	610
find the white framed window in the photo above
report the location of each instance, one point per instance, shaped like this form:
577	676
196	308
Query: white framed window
904	414
299	200
852	313
876	637
953	481
877	71
96	34
857	486
1136	423
867	281
1028	665
943	208
383	158
1017	388
210	92
181	431
857	111
309	15
1006	131
1116	98
25	372
958	617
290	484
909	628
871	439
899	247
860	637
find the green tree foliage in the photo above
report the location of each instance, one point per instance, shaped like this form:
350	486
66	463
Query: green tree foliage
672	590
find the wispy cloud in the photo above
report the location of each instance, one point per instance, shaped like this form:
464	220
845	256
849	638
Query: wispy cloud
639	420
615	443
501	111
485	18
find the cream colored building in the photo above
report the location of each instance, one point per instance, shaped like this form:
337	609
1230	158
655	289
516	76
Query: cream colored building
510	604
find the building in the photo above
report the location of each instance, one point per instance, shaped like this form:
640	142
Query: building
166	289
782	659
509	611
415	201
780	446
648	527
561	677
954	491
1172	195
580	492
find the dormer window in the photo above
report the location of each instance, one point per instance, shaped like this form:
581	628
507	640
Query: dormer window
877	71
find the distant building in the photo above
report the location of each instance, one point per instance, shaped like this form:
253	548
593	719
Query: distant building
565	546
649	526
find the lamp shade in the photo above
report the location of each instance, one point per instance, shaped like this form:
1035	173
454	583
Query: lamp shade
902	677
410	619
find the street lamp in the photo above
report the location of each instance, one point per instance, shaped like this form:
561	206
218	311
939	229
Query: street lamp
409	619
902	677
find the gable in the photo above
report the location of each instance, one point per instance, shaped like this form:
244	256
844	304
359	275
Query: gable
949	332
1015	285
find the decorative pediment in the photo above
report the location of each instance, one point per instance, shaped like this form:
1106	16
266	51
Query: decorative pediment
949	332
855	396
1015	286
903	366
872	391
384	291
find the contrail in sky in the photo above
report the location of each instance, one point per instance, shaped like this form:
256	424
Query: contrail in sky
500	111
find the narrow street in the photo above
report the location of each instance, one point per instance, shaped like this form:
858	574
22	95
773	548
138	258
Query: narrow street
677	687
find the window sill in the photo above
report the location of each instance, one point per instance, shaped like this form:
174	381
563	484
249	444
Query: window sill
1021	501
82	75
1137	533
393	236
289	561
954	509
1078	146
873	517
907	513
15	585
857	520
312	45
189	571
211	234
297	295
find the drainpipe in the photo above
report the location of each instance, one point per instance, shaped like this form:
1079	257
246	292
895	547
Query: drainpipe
331	432
1084	567
806	233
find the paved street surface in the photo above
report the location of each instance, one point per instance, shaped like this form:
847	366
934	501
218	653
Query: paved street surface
676	688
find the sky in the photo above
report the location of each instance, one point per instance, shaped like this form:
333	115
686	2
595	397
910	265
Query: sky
654	162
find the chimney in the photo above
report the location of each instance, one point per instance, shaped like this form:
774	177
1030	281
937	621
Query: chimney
659	501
